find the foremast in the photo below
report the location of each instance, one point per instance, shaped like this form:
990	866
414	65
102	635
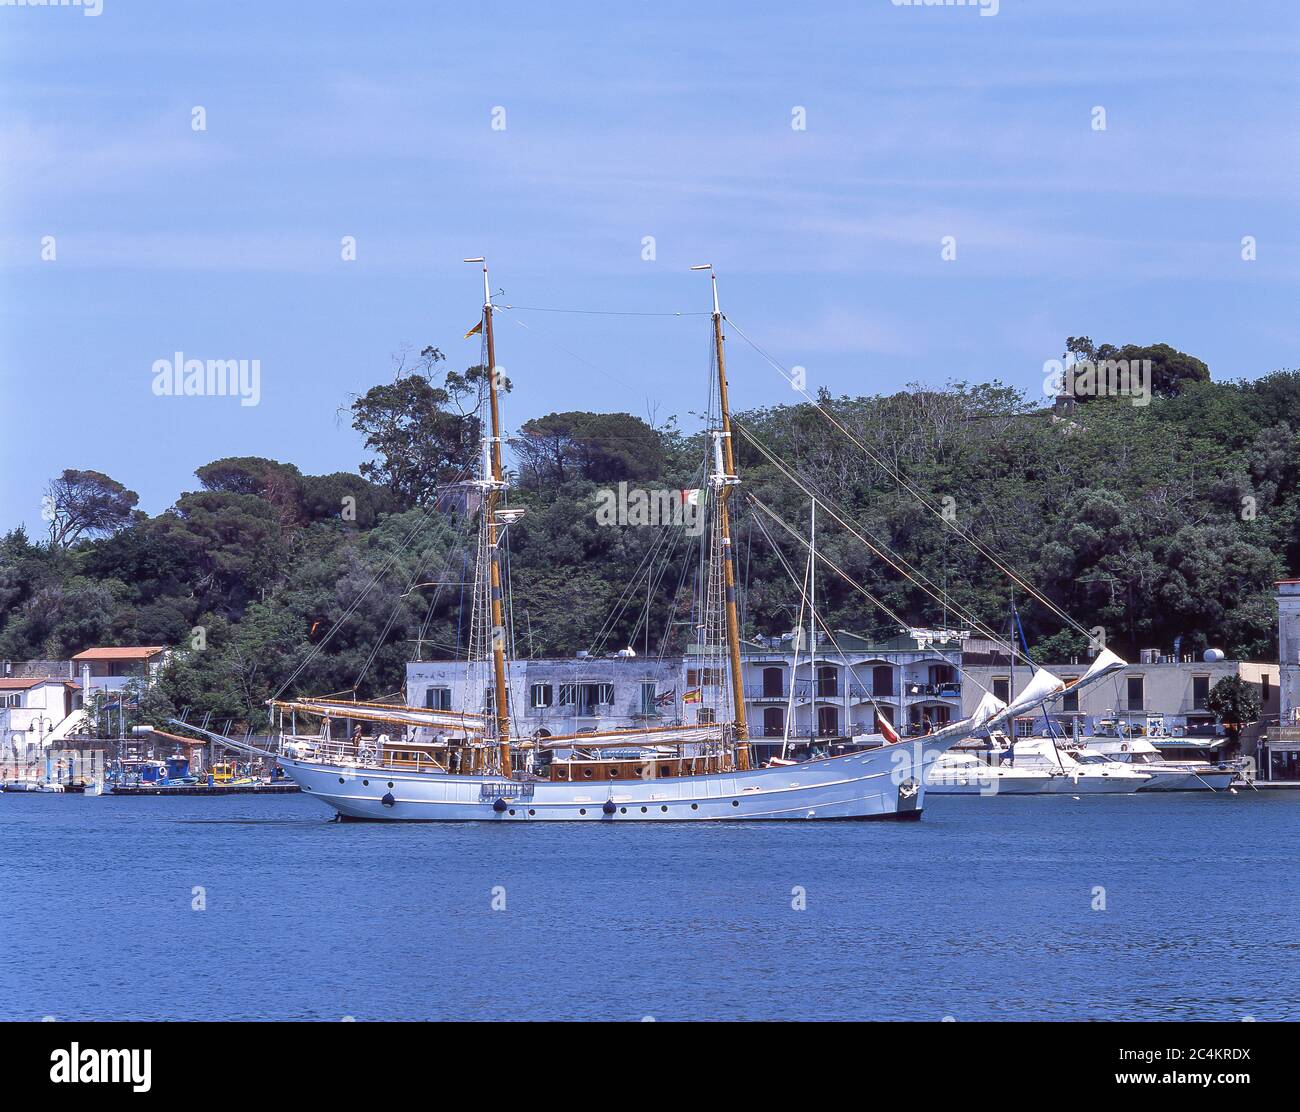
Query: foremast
723	480
494	485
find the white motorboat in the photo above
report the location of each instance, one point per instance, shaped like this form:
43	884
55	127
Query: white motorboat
1165	776
32	786
965	774
1088	773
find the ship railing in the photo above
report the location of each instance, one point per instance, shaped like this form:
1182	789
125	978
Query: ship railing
478	759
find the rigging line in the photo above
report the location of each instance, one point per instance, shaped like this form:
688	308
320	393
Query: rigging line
970	539
631	588
874	544
865	689
572	354
418	571
597	312
812	649
849	579
667	536
383	571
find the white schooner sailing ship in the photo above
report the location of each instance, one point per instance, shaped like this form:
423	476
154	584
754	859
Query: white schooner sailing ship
428	764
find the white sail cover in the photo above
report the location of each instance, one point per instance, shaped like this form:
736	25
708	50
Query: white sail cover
379	712
1040	688
989	706
1107	663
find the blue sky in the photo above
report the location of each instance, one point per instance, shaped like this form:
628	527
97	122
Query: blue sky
671	120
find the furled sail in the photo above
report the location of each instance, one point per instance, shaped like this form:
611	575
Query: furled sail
620	739
384	712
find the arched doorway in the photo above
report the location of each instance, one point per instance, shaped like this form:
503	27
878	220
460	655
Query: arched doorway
773	683
773	721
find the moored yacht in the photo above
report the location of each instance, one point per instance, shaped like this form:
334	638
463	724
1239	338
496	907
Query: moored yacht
965	774
1165	776
1075	772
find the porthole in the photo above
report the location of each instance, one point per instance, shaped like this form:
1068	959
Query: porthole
512	810
695	806
644	810
622	810
390	783
735	802
365	783
613	774
664	809
340	779
586	772
531	811
582	810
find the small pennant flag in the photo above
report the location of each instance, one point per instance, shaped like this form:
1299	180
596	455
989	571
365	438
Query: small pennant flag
891	735
666	698
475	330
691	497
695	695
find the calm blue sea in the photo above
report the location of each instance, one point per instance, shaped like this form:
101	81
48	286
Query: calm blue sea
983	910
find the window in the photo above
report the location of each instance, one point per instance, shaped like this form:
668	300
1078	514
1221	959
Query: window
489	696
704	716
1136	693
773	722
649	696
773	683
541	695
438	698
1024	727
1070	702
14	701
593	695
703	677
828	682
568	692
1002	688
882	681
1200	691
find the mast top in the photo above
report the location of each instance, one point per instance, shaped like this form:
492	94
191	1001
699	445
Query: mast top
713	277
487	292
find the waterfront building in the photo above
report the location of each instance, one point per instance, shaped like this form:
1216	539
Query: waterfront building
32	711
1280	757
840	694
110	669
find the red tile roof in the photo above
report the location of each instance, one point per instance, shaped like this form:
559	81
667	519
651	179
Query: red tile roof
138	652
24	683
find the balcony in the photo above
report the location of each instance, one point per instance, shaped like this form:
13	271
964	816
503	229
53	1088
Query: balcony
933	690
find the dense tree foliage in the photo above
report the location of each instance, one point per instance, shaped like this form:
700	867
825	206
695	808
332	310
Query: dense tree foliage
1155	522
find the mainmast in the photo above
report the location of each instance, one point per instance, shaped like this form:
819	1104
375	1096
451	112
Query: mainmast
495	485
724	480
